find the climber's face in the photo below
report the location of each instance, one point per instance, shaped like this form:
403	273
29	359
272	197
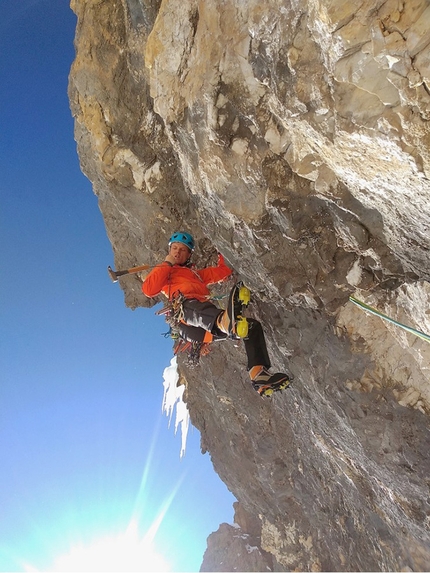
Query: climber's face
180	252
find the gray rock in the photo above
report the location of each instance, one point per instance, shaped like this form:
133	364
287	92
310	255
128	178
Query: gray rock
293	137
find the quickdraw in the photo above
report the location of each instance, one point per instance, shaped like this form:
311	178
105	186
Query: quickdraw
173	314
194	350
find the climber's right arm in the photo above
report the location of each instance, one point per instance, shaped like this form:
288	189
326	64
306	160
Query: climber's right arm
157	280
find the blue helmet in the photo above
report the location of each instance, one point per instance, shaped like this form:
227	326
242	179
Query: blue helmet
184	238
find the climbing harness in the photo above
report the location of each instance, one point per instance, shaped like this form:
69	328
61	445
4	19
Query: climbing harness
173	314
372	310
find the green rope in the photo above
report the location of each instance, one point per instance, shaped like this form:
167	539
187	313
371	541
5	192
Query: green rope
385	317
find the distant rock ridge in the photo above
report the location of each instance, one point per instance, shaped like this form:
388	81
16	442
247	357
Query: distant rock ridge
294	138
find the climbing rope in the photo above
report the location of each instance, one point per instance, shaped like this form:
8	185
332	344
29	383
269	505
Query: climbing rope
387	318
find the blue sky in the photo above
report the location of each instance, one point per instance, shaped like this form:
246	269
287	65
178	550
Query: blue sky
83	442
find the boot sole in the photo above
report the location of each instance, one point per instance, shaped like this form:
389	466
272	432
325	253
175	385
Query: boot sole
268	390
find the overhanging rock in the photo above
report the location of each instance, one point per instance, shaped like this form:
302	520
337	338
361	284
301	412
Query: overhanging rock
294	138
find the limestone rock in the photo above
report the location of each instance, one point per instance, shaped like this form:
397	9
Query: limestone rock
232	548
294	138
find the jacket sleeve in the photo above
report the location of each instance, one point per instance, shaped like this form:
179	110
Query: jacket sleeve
157	279
211	275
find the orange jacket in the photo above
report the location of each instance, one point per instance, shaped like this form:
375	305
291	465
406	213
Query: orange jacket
192	283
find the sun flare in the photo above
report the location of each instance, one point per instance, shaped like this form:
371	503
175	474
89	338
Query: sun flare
125	552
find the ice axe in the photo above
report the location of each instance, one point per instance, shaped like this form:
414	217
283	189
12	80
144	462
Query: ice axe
114	275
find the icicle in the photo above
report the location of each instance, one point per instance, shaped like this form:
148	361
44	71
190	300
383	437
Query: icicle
173	396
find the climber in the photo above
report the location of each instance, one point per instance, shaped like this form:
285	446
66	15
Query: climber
202	321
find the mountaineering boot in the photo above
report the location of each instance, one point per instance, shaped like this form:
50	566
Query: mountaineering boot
266	383
232	321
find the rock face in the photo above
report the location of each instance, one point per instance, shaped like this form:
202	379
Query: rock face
294	138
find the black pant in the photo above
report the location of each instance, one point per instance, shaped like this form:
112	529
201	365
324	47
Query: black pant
200	317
